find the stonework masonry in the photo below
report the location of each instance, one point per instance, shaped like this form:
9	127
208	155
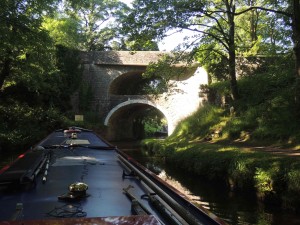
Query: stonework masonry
101	69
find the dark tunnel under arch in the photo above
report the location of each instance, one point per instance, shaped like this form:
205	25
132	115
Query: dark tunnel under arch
120	120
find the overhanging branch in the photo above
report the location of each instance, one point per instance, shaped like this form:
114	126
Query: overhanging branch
210	35
263	9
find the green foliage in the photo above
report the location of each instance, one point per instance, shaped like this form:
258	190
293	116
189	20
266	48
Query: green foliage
272	176
215	63
145	44
149	123
265	110
264	114
36	77
159	75
64	31
97	22
294	180
241	171
199	124
221	30
155	147
23	43
291	195
263	180
22	125
153	124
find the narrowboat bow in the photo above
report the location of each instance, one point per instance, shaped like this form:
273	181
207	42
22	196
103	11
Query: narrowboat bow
74	176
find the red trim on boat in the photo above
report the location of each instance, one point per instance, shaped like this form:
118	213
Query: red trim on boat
4	169
10	164
21	156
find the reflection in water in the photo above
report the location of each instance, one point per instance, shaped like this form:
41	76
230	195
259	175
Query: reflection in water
234	208
175	183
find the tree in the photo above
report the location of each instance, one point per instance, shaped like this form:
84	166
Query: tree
63	30
32	84
262	32
296	39
33	70
97	21
23	43
215	24
291	11
208	19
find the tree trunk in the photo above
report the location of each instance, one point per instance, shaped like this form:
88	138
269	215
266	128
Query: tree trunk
232	74
253	21
231	52
296	40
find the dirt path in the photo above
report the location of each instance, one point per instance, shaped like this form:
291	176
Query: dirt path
279	151
293	152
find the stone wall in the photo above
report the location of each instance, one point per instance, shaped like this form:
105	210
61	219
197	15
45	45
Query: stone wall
140	58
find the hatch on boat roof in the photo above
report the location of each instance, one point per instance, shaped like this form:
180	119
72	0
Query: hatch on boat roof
77	142
72	130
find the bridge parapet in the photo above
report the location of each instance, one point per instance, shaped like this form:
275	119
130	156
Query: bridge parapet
131	58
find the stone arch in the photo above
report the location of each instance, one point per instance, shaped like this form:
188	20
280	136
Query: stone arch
109	73
126	83
140	101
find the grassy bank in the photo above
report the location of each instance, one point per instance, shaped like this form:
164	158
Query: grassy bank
217	144
275	178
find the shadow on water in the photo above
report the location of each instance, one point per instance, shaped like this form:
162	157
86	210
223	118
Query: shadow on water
235	208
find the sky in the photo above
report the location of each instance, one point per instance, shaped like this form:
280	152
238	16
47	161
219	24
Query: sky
172	41
128	2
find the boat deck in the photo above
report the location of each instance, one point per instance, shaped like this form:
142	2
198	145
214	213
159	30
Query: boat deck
35	188
99	169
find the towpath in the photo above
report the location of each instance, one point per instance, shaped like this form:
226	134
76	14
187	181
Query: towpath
277	150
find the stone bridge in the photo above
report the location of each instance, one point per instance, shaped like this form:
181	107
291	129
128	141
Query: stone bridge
109	73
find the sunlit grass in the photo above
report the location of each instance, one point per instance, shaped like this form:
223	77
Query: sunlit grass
230	148
240	168
216	145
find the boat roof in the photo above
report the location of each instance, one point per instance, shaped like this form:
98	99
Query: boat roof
36	194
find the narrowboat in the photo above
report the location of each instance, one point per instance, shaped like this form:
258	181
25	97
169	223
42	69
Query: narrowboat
74	176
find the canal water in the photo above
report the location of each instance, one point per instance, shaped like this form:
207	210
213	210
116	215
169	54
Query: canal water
234	208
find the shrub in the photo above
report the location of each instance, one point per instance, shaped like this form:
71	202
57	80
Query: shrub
22	125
